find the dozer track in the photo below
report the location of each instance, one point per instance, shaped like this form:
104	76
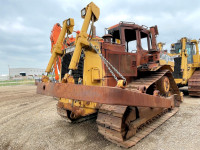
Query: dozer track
149	81
126	125
194	84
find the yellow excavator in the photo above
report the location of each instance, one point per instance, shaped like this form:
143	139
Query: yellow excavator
186	64
116	79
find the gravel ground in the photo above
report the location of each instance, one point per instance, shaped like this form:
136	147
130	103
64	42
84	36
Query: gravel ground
30	121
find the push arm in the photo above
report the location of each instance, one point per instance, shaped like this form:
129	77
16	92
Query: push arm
67	28
87	13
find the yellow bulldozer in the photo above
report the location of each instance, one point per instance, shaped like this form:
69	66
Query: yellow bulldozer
113	78
186	64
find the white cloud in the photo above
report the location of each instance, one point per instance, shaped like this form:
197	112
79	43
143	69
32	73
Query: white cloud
25	26
17	26
112	18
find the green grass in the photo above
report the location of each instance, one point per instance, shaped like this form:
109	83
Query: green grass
17	82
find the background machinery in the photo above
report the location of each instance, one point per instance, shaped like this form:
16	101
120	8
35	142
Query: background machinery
187	63
165	58
117	79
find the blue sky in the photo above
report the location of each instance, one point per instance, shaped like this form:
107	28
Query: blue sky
25	25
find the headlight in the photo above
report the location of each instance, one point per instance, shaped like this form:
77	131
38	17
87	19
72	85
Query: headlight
68	22
83	12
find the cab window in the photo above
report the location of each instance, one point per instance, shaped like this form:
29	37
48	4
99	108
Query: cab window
131	41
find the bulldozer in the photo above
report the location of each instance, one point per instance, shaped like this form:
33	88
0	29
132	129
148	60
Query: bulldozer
115	79
185	53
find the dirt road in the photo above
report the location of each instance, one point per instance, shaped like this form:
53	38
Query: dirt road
30	121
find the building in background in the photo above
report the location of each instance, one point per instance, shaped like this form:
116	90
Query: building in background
4	77
16	72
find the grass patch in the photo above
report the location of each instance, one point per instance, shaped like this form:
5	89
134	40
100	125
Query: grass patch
17	82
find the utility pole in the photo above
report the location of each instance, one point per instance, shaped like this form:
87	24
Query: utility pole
9	72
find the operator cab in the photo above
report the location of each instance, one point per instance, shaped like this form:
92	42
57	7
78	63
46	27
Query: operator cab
133	36
133	42
190	48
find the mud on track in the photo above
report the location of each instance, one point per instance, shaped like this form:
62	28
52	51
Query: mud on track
30	121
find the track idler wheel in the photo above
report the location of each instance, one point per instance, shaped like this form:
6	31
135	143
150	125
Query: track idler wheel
163	85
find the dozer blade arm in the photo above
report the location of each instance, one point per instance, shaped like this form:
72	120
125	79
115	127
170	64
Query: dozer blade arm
104	95
87	13
67	28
